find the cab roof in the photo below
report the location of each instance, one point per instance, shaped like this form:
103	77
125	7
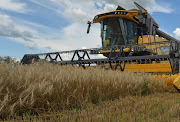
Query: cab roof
120	12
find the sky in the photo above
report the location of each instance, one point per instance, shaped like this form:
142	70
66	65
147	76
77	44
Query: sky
38	26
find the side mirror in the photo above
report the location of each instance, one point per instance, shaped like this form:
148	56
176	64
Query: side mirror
89	26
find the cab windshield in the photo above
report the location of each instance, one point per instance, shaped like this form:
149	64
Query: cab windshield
118	31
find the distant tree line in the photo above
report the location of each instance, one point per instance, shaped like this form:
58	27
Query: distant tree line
8	59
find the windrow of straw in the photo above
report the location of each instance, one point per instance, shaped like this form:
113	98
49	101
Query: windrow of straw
40	88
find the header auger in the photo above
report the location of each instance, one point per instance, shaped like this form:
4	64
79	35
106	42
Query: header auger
131	41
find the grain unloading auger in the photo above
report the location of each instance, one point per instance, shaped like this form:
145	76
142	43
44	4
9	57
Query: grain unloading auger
131	41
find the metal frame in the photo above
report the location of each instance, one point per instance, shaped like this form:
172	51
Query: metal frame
118	59
80	58
55	59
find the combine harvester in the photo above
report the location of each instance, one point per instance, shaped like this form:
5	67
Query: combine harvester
131	41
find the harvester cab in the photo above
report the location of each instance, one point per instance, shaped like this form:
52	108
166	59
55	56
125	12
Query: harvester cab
131	28
118	27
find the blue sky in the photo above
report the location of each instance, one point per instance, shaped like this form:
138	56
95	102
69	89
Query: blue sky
37	26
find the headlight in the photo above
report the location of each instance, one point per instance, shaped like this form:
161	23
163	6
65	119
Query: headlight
132	49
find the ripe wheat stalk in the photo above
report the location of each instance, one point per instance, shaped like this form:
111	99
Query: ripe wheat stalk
48	87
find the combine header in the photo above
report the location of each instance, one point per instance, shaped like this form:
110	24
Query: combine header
131	41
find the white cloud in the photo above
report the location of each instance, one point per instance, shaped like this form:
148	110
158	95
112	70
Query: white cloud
110	7
48	4
20	33
150	5
12	5
88	5
71	37
76	36
75	14
9	28
177	33
100	4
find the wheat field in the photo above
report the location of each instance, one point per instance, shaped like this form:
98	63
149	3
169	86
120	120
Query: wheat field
49	92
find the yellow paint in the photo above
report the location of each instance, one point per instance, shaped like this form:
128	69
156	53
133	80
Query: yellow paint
130	15
169	79
108	51
145	39
153	68
126	50
177	81
157	71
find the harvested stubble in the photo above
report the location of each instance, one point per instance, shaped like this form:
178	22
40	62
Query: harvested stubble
158	107
39	88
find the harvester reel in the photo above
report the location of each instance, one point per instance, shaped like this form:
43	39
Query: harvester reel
81	58
122	68
114	55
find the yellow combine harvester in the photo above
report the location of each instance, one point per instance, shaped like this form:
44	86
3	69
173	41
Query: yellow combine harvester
131	41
